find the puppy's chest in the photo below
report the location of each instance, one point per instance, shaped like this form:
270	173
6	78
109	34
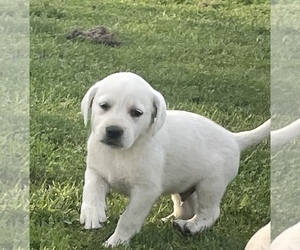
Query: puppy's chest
123	170
122	185
120	177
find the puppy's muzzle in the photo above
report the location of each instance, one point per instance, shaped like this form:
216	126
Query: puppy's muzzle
114	133
113	136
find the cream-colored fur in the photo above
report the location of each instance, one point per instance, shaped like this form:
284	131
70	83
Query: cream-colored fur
261	240
143	151
290	238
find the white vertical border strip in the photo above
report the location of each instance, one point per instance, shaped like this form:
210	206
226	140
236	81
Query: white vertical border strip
285	111
14	121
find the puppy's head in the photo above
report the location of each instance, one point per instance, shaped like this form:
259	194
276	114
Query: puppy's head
124	108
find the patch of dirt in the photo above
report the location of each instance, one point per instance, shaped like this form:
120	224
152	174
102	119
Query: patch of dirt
99	34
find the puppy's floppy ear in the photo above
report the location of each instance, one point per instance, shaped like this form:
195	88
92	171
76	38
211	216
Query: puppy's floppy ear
159	112
87	101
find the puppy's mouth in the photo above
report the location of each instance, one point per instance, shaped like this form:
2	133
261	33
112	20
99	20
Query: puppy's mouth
112	143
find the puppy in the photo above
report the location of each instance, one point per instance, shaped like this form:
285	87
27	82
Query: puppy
261	240
143	151
288	239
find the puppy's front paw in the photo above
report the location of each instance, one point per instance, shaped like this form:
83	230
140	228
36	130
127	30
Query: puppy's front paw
114	241
92	216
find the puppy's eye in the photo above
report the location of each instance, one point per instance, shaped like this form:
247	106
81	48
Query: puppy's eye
104	106
136	113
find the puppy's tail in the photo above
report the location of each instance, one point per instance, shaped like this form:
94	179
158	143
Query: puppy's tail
246	139
281	136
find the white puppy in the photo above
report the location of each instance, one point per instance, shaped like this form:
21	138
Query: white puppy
143	151
261	240
288	239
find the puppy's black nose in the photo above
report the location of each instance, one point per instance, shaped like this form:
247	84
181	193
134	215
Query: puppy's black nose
114	132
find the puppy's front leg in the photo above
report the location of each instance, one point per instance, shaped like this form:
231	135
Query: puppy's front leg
93	200
131	221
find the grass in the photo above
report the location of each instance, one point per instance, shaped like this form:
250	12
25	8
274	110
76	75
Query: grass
14	120
208	57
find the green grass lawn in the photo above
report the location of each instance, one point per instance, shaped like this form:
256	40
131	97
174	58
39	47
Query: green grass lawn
14	120
208	57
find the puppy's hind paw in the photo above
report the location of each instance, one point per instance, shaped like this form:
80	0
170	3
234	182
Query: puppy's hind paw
181	226
189	227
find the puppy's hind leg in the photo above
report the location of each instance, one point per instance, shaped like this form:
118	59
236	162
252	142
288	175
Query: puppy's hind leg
209	195
183	210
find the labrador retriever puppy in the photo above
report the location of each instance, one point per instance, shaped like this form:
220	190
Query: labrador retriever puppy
143	151
289	239
261	240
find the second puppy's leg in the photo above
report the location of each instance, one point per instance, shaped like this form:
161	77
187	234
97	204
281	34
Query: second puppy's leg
183	210
209	195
